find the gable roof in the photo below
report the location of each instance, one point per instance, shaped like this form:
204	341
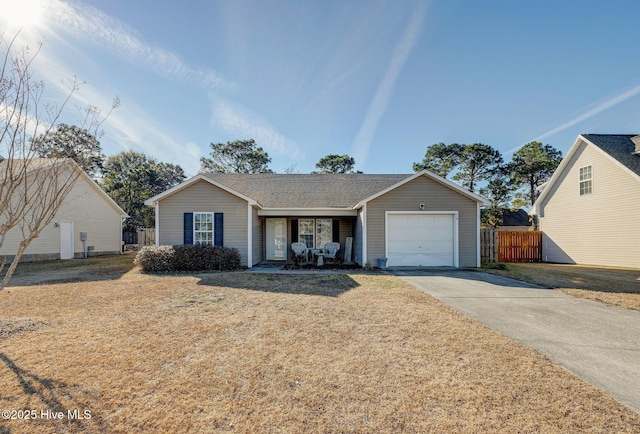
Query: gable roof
433	176
199	177
35	164
291	191
619	147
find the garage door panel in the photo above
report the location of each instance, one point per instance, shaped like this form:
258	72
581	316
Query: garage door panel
420	240
418	247
420	261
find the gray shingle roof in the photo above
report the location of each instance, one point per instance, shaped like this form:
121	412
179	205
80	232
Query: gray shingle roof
306	190
618	146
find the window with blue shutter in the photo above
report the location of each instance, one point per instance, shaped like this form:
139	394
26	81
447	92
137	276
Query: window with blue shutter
218	229
203	228
188	228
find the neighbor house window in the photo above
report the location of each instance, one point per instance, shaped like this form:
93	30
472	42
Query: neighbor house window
586	180
203	228
315	233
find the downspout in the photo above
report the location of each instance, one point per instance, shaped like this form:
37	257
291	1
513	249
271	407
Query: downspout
364	236
249	235
122	219
157	229
478	252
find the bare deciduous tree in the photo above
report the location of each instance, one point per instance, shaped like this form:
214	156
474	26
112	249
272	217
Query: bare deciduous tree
32	189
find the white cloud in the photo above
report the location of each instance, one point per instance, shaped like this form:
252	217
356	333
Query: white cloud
383	94
246	124
130	126
90	24
599	108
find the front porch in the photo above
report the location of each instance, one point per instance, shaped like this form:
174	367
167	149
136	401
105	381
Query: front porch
314	231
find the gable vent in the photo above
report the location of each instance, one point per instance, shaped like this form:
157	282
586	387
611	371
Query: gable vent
636	141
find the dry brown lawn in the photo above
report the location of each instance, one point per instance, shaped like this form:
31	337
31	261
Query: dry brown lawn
240	352
611	285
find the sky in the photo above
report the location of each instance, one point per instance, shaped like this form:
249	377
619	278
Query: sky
377	80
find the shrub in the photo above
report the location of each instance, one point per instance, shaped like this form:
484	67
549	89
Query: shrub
188	258
155	258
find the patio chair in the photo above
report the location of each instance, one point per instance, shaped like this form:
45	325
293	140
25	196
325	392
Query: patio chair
330	250
301	252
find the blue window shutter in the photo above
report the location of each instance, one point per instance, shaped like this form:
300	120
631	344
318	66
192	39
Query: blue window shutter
294	231
188	228
218	229
335	226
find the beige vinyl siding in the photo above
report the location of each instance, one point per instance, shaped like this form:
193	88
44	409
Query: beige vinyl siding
89	211
204	197
598	228
258	237
436	197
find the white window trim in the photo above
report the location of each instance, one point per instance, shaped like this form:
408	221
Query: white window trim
315	239
315	230
213	226
580	181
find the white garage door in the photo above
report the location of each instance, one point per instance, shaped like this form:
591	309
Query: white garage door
421	240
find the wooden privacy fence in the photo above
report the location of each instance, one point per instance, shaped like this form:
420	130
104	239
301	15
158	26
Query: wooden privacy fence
489	245
146	237
507	246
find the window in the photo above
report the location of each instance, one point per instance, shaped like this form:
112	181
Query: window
323	232
586	180
306	232
203	228
315	233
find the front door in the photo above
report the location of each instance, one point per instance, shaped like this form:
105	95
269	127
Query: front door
276	239
66	240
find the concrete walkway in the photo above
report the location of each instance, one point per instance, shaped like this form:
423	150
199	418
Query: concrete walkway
597	342
277	268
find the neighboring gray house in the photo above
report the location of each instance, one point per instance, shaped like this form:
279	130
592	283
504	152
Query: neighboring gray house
589	209
413	220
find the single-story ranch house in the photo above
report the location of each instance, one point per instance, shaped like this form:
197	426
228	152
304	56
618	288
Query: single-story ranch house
413	220
588	211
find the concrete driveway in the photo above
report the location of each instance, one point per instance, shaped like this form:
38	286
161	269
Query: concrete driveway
597	342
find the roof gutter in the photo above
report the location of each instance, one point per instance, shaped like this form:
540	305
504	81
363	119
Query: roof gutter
318	212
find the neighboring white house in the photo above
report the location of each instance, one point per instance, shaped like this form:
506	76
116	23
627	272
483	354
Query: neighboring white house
589	209
88	221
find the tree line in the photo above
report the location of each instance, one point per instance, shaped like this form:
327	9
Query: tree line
481	169
131	177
